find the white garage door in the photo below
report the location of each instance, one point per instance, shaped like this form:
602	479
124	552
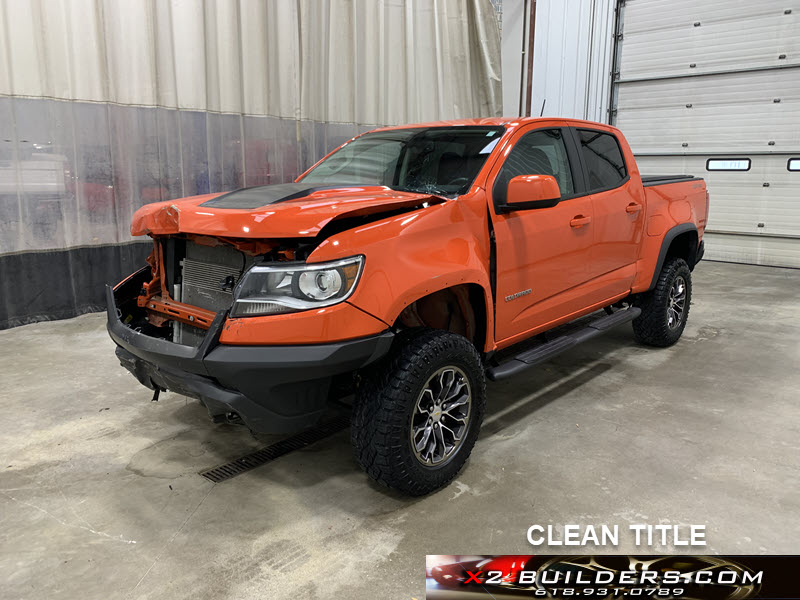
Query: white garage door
713	89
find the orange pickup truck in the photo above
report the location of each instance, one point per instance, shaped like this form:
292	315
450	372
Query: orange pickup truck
406	268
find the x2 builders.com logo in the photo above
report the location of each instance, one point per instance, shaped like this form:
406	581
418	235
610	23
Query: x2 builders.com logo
685	577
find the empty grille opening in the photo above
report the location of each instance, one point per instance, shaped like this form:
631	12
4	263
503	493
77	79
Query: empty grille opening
276	450
206	274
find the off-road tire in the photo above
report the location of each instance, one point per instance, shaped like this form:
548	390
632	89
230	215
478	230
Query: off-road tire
387	396
652	326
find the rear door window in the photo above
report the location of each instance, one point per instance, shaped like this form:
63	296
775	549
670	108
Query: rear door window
602	157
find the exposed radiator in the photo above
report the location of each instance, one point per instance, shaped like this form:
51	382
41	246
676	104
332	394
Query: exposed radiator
203	284
204	273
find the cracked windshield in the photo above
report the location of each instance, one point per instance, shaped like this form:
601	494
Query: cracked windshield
436	160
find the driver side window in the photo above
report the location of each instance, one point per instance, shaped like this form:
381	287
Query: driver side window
538	153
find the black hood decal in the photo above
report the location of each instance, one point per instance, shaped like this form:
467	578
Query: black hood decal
264	195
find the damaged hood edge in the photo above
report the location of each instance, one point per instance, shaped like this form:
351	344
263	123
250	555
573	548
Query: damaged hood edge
297	217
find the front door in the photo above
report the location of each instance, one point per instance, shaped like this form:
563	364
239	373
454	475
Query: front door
542	254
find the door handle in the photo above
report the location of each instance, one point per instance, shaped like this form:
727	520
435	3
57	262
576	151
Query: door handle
632	208
580	221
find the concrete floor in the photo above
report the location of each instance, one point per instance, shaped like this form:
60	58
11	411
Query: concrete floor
100	496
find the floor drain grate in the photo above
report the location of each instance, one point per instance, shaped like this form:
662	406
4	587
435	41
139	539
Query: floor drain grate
276	450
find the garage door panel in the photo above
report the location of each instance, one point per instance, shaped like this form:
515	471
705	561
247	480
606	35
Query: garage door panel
753	250
735	44
723	90
736	112
653	15
711	130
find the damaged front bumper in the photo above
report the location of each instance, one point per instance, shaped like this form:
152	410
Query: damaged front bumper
271	389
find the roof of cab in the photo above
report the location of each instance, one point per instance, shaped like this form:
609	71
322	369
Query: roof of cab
490	121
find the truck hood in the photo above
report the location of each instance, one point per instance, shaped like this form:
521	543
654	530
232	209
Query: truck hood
287	210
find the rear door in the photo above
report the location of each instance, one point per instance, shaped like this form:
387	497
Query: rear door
543	254
618	204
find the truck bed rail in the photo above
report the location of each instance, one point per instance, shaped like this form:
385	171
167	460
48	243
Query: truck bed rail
651	180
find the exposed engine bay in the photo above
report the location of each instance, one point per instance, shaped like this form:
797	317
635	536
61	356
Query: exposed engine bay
192	278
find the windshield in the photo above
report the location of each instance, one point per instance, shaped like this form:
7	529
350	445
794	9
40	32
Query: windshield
433	160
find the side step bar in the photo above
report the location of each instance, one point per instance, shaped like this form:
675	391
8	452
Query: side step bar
548	350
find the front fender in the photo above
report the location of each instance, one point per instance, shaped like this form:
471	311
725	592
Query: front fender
414	254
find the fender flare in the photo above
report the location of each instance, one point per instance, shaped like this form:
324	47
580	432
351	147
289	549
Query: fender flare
665	244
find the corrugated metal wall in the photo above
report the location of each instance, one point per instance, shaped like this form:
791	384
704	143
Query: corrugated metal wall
106	105
572	57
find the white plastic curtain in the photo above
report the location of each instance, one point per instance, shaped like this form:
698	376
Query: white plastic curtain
106	105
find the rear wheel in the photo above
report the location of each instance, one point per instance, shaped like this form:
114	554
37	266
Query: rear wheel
665	308
418	412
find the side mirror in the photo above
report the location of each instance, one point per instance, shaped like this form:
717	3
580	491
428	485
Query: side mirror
532	191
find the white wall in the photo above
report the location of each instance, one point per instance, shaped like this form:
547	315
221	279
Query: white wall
572	57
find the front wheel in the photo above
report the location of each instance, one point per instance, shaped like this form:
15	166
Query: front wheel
665	308
418	412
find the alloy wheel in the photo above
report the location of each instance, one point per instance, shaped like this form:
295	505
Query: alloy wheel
440	420
677	303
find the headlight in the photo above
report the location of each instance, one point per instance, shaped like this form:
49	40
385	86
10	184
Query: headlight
292	287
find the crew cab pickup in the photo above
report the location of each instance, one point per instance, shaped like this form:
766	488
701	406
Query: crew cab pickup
405	268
